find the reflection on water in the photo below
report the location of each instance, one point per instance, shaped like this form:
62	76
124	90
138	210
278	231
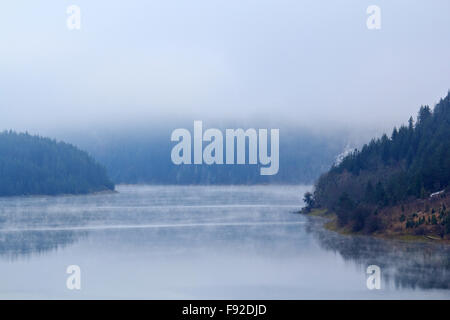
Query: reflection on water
205	242
405	264
14	245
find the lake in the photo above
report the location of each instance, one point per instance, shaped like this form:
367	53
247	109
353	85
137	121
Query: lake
201	242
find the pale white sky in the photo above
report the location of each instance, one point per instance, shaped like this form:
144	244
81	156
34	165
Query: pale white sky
311	63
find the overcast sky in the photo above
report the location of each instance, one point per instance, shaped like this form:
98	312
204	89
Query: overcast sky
312	63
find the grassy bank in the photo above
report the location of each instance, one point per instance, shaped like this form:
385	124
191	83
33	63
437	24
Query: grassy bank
388	232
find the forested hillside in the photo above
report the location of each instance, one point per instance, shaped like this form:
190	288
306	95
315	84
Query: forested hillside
411	164
32	165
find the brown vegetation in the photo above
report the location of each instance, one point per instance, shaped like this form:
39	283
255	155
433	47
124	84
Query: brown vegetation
427	217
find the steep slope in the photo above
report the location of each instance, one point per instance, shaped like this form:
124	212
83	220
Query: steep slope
391	173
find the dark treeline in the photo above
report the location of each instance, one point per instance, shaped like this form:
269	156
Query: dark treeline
412	163
32	165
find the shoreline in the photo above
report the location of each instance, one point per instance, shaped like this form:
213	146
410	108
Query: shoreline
100	192
330	224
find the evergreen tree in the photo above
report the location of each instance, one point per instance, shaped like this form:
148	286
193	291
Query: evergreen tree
412	163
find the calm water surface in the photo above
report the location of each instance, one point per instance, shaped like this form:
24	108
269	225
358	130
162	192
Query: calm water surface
199	242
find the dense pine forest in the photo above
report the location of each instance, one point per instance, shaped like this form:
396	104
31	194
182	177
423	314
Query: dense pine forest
33	165
390	172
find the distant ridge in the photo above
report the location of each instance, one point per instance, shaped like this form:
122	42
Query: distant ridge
144	157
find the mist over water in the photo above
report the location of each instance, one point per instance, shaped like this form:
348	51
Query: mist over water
205	242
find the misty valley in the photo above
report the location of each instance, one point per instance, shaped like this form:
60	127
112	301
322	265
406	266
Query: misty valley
62	212
221	151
